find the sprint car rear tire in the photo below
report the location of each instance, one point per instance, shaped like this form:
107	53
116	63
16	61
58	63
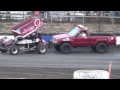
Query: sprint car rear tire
41	48
3	50
0	44
14	50
65	48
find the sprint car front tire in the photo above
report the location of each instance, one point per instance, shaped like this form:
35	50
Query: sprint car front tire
41	48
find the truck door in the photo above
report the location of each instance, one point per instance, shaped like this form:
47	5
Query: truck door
81	41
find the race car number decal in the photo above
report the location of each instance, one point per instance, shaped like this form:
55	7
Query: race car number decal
38	23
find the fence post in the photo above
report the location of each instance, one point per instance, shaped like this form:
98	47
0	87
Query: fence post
113	23
74	18
51	20
23	15
99	21
83	20
47	23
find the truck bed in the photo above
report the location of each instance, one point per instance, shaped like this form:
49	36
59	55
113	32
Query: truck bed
101	34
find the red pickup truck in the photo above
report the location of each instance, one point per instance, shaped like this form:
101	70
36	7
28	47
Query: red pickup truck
98	42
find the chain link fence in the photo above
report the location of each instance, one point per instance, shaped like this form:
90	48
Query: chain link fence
63	22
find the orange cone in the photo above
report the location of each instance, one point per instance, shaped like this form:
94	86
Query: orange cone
110	66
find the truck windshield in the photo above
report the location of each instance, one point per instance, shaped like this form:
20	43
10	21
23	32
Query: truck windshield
74	32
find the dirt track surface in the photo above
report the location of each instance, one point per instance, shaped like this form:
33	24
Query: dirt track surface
54	65
42	73
35	73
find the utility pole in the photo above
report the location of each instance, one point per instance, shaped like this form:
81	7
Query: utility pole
99	20
74	18
23	15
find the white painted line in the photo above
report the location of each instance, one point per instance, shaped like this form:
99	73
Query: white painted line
15	78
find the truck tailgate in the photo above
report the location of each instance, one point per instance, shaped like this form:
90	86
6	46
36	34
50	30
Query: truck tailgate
117	40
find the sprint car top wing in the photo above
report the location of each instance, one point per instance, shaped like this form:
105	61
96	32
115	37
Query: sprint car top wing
27	27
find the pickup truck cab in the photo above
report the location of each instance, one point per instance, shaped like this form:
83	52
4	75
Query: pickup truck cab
98	42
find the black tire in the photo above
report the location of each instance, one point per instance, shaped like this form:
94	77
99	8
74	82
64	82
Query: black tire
101	48
65	48
0	44
57	48
41	48
49	45
93	48
14	50
3	50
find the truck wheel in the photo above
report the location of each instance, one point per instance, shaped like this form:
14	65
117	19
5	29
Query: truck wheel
101	48
14	50
3	51
65	48
41	48
93	48
57	48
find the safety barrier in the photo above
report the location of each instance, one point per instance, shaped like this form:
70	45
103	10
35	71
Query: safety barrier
91	74
47	38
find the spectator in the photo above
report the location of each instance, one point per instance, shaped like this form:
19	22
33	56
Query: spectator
83	34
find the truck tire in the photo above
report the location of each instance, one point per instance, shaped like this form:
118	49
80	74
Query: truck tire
57	48
14	50
101	48
65	48
93	48
41	48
